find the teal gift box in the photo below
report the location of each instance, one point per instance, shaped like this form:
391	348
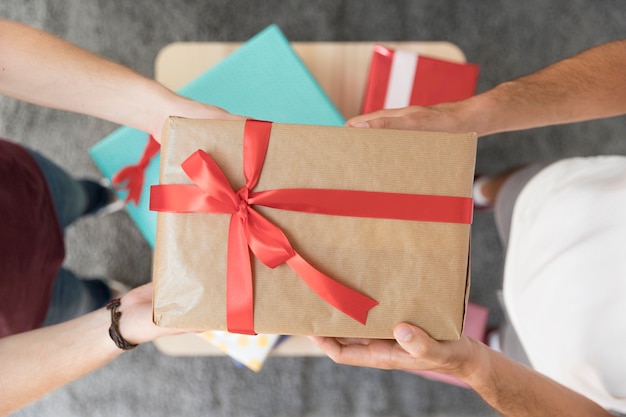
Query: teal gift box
264	79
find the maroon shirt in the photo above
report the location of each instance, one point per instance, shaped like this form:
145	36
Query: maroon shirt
31	241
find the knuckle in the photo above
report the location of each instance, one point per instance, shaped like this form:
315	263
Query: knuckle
382	123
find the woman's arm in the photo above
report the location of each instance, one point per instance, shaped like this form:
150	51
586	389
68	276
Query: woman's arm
42	69
509	387
589	85
37	362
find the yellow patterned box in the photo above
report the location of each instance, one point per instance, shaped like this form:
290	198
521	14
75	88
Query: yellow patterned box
248	350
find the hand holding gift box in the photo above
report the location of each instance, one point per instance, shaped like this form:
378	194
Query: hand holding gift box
413	262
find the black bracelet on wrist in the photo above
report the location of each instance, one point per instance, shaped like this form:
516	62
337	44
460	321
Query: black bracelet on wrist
114	329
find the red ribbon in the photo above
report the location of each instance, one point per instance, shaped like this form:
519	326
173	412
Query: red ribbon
131	178
212	193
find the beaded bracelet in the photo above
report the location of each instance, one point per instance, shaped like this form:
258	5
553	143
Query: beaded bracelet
114	329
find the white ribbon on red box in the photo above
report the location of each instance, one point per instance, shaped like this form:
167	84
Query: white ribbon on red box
401	76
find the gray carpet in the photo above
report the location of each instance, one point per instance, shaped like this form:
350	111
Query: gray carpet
506	38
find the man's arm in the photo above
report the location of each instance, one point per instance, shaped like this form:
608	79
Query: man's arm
37	362
589	85
509	387
42	69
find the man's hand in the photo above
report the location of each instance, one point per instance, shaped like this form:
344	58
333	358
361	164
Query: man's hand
509	387
412	349
447	117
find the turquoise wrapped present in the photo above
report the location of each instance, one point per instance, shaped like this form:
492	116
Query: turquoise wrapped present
263	79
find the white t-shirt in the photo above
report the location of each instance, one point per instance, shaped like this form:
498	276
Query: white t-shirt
565	276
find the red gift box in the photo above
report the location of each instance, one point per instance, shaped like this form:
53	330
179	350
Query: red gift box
400	78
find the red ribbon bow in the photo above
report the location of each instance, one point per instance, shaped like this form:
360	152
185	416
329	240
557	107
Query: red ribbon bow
131	177
212	193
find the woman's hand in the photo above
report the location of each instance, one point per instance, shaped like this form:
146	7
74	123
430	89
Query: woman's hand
136	325
183	107
42	69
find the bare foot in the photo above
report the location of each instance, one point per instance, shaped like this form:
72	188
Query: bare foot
486	188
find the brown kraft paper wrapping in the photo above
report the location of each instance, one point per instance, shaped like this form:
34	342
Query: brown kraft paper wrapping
417	271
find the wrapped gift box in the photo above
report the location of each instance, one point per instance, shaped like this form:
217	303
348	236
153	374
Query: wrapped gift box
417	270
264	79
399	78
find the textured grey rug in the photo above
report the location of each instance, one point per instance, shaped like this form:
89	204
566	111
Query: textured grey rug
506	38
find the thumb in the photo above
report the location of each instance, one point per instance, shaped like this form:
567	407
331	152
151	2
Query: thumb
413	339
